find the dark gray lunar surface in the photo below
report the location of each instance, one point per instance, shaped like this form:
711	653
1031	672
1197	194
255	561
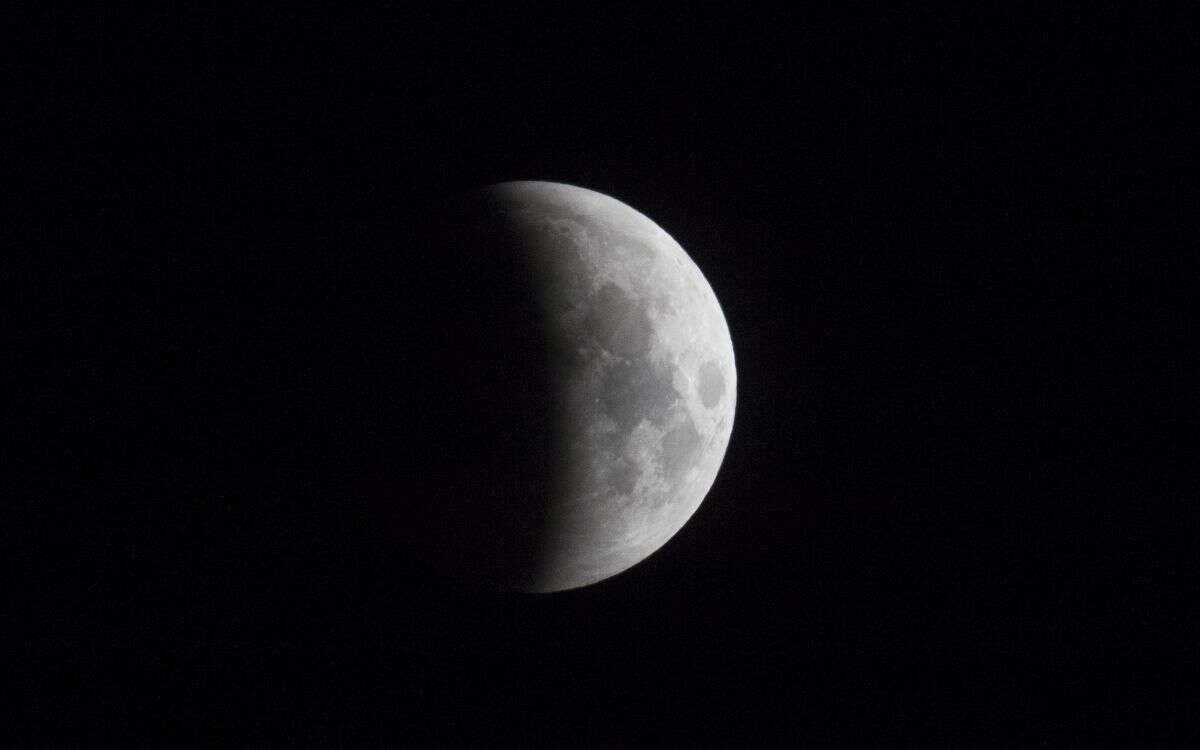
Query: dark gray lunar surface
639	370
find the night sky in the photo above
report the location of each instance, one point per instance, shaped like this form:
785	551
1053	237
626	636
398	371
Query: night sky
937	240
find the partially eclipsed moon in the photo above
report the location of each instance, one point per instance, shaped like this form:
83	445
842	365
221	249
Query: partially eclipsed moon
637	367
643	365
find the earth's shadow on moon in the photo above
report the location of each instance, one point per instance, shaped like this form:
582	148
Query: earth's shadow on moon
467	494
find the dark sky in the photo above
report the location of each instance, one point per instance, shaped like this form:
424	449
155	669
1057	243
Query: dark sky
937	241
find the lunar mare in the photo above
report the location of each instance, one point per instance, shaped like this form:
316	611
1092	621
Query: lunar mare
643	368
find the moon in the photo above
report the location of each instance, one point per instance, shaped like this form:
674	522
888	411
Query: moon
638	370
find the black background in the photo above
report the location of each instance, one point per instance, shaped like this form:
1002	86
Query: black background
939	244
